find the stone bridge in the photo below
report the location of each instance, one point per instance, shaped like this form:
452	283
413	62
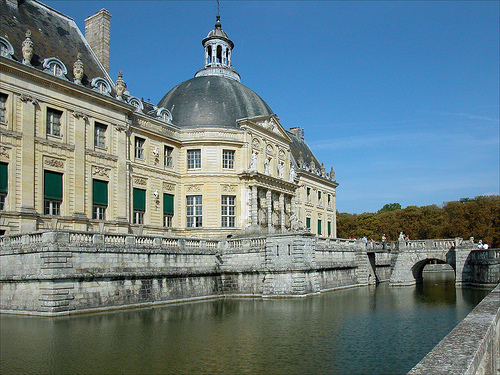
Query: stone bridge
410	257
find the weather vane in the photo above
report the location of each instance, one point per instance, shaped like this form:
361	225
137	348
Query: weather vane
218	7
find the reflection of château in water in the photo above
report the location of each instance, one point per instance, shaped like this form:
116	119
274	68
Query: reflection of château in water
81	152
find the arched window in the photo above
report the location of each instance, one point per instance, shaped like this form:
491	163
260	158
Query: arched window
164	114
55	67
6	49
101	86
136	103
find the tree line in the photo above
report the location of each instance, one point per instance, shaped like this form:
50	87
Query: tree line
477	217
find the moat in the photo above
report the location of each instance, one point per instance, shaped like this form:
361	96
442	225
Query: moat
365	330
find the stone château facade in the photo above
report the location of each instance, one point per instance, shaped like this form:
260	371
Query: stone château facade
79	152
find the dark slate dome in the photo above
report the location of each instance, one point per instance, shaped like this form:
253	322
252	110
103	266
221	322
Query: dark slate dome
212	101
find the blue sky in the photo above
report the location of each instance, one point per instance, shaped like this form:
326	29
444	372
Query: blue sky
400	97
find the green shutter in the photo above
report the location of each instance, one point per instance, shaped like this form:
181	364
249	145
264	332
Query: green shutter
100	192
139	200
168	204
53	186
319	226
3	178
329	228
308	222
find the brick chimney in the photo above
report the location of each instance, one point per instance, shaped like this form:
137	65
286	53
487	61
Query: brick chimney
97	33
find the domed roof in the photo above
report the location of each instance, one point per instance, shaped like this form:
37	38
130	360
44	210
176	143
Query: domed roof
212	101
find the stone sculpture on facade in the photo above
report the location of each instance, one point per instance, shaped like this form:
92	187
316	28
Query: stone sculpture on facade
27	49
253	161
292	173
78	69
120	86
267	167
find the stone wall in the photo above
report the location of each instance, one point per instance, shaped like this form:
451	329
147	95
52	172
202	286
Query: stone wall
60	272
482	267
473	347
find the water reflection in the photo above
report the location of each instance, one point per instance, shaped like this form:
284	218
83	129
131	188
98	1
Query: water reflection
369	330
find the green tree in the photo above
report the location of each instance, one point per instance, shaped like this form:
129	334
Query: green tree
390	207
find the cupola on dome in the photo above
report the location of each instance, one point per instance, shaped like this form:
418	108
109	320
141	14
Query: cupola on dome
214	97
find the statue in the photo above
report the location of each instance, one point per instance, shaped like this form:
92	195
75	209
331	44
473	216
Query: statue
332	174
280	170
292	173
27	49
78	69
266	167
253	162
120	86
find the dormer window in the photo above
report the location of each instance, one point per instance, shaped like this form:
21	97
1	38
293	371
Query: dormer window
164	114
6	49
136	103
101	86
55	67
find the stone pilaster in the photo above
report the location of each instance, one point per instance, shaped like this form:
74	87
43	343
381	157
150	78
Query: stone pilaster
27	192
269	205
80	124
282	212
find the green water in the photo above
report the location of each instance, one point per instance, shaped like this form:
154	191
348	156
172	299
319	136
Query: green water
367	330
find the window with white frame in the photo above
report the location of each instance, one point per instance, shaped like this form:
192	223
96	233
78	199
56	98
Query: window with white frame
194	211
54	122
53	192
3	107
228	159
194	159
139	148
228	211
169	152
3	184
139	205
99	199
100	135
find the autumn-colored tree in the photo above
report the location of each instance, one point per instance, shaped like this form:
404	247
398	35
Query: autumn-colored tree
477	217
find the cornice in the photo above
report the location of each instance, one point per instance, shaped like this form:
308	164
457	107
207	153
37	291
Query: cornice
316	178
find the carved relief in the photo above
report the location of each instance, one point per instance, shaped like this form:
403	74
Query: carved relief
78	114
28	98
5	152
100	171
281	154
193	188
168	187
122	127
255	143
57	163
269	149
140	181
228	188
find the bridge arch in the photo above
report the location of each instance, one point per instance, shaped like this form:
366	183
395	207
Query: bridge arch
418	268
410	258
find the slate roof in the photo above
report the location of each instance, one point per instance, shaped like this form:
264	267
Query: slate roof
298	146
212	101
53	34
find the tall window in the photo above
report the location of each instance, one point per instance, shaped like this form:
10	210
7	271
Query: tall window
319	197
194	159
139	206
228	159
100	135
228	211
169	151
194	212
308	222
54	122
319	227
329	228
53	192
100	199
3	107
329	200
308	190
168	209
3	184
139	148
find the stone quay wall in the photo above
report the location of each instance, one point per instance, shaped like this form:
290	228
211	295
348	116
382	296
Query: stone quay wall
473	347
482	267
61	272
